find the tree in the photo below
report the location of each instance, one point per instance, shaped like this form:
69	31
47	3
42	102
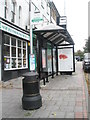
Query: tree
79	53
87	45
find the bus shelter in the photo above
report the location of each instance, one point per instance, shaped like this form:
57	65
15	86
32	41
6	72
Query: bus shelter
49	39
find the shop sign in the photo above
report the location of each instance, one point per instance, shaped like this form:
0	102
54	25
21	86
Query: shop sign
8	29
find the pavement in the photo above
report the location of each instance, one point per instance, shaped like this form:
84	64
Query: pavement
65	96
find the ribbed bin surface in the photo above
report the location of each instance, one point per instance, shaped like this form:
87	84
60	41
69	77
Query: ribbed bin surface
31	91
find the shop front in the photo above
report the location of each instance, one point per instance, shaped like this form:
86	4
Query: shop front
15	51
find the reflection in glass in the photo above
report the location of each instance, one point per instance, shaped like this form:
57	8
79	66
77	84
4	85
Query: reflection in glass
13	62
24	54
7	40
19	63
24	44
6	50
19	52
19	43
13	41
13	52
24	62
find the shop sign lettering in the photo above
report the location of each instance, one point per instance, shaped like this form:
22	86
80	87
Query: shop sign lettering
13	31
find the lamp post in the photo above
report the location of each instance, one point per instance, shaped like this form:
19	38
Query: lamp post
32	59
31	40
31	85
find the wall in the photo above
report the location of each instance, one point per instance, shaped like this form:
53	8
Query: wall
24	11
44	11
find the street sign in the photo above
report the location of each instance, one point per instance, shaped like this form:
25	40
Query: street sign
37	19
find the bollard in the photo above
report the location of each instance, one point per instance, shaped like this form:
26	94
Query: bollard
31	91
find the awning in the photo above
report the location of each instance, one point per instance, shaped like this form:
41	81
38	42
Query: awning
54	34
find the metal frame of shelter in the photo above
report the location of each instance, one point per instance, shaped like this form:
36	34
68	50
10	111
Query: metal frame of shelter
55	36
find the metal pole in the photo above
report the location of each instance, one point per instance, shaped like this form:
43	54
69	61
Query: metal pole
64	8
31	39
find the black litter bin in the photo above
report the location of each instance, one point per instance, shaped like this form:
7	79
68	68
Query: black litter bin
31	91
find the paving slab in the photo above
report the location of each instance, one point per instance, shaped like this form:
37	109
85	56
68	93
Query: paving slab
63	97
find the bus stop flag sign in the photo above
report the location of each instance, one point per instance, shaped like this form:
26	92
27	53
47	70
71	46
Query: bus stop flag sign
32	62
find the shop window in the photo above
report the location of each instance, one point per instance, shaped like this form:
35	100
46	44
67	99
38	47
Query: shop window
24	62
6	50
15	53
19	43
13	62
7	40
6	63
19	53
13	41
13	50
24	44
19	63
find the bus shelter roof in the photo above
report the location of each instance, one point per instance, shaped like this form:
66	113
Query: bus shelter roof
54	34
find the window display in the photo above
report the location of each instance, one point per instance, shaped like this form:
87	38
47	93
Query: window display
13	62
6	63
19	53
15	53
19	63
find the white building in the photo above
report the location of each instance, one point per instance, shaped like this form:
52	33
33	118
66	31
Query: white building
14	37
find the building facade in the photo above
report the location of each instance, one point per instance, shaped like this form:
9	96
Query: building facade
14	34
54	14
14	39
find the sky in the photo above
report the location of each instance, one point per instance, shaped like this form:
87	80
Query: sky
77	19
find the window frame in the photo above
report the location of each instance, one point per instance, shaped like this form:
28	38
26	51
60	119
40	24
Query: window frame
5	9
13	12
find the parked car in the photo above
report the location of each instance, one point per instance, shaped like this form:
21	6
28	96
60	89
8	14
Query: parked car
86	62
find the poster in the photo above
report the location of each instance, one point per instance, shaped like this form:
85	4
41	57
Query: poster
32	62
49	60
43	59
65	59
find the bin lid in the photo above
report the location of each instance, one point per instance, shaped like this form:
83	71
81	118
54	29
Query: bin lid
30	74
